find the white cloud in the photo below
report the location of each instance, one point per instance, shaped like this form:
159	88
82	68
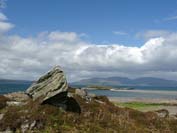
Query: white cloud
2	17
28	58
119	33
171	18
63	36
153	34
4	26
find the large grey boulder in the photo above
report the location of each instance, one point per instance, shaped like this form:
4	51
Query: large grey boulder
51	84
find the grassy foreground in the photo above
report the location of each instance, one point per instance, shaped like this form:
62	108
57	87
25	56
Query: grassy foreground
97	116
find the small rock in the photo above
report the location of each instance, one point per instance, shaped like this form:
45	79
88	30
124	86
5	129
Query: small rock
7	131
70	94
1	116
24	127
14	103
32	125
98	101
162	113
92	95
81	92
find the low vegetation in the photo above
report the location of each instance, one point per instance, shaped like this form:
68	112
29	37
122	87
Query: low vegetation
97	115
99	87
139	105
3	101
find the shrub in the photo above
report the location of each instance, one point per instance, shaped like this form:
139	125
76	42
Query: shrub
3	101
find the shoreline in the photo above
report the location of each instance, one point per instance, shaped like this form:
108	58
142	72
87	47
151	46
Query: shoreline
144	100
148	104
148	91
143	104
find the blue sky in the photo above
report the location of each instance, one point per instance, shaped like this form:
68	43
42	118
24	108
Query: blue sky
98	19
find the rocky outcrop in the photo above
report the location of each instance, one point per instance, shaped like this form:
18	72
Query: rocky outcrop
17	96
52	88
50	85
81	92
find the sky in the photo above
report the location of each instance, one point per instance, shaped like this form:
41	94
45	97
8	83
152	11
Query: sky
88	38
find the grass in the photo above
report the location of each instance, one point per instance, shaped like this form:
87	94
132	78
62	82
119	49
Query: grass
97	116
140	105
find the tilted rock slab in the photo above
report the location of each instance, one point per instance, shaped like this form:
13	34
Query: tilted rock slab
49	85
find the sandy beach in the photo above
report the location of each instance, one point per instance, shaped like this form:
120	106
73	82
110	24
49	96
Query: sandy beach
144	100
148	91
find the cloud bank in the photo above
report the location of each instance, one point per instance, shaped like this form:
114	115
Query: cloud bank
28	58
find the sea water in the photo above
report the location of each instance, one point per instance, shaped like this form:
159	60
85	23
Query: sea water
13	87
140	92
137	92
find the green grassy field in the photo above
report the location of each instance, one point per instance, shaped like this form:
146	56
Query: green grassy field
140	105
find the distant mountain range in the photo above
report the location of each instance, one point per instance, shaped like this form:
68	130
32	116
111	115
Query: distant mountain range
9	81
123	81
110	81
